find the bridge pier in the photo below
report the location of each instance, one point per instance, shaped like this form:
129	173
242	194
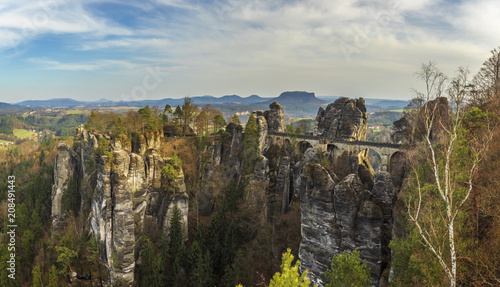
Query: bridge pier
384	166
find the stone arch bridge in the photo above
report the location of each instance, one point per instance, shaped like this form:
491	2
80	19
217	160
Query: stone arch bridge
385	150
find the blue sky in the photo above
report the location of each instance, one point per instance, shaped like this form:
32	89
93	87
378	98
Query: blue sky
88	50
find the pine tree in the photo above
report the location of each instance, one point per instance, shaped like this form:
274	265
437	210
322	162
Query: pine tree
289	275
36	225
346	270
235	119
152	268
202	274
37	277
176	245
218	122
53	279
194	252
232	272
251	144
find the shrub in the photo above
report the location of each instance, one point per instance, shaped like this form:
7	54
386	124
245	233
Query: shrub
346	270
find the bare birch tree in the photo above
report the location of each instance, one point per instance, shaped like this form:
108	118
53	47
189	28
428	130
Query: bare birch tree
444	180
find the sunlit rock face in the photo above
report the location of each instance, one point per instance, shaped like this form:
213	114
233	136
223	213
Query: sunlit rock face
63	172
343	119
339	215
123	191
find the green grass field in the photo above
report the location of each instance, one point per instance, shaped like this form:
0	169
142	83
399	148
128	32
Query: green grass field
21	133
74	112
2	141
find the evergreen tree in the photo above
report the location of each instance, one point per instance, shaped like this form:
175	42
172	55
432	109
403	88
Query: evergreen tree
167	111
36	225
189	109
232	272
346	270
28	248
53	279
235	119
176	245
194	252
37	277
218	122
152	268
251	144
149	122
231	197
202	274
289	275
177	115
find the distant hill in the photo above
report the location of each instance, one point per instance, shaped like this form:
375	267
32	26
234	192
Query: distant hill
296	98
6	106
61	102
375	105
229	99
68	103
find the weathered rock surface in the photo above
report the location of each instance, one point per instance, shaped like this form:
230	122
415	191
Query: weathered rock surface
283	183
128	187
344	119
320	233
63	172
338	216
270	121
275	118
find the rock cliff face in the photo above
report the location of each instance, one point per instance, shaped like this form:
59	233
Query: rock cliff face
339	215
63	172
271	121
344	204
128	187
344	119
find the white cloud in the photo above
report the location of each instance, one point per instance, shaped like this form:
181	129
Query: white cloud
85	66
28	19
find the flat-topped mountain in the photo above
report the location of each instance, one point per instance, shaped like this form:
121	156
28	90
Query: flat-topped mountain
296	97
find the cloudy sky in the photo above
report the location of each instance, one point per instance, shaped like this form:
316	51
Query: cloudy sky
89	49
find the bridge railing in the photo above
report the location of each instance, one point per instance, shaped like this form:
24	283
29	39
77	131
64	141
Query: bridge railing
336	140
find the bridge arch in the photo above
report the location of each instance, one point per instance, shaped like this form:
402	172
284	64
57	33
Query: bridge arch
374	158
303	146
332	148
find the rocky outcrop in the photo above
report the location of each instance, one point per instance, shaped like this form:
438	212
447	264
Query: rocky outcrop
63	173
128	186
283	188
275	118
271	121
344	119
320	232
342	215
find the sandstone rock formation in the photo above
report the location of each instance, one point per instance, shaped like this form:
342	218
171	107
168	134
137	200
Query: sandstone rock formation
128	187
271	121
344	119
63	172
342	215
